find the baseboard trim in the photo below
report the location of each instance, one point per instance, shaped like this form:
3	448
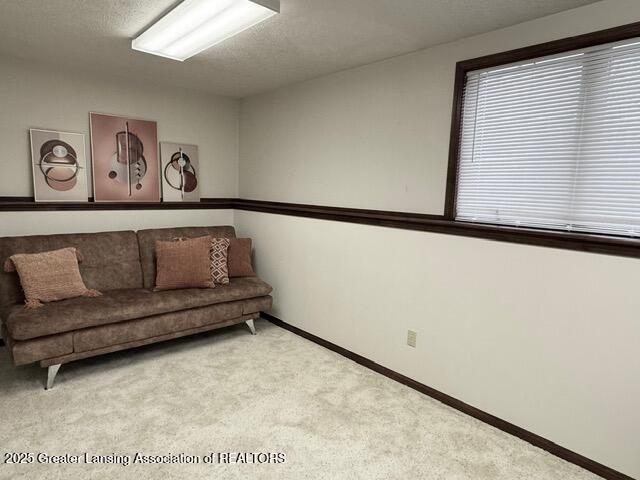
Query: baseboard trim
527	436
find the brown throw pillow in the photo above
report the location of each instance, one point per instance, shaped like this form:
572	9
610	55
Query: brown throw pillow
183	264
50	276
239	258
219	269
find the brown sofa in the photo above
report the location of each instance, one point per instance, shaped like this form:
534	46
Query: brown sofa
128	314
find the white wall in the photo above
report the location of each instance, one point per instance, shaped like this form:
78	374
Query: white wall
544	338
43	223
547	339
378	136
45	96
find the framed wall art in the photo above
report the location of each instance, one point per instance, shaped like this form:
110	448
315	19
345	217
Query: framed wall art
59	166
180	172
125	159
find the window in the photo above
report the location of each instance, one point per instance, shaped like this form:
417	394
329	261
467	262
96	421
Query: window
554	142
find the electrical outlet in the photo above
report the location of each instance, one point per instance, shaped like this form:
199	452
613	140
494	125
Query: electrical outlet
411	338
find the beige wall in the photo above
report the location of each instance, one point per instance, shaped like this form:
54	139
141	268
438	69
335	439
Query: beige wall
547	339
43	96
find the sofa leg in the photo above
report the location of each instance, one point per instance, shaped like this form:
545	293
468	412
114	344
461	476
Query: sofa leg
52	371
251	326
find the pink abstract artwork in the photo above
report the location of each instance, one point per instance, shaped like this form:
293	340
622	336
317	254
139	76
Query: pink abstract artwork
125	159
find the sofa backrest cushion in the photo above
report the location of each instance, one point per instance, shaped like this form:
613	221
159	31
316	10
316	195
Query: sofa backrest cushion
111	260
147	240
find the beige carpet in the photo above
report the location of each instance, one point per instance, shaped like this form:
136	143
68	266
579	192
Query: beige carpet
232	392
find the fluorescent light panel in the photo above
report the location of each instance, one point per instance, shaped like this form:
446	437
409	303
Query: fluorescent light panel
195	25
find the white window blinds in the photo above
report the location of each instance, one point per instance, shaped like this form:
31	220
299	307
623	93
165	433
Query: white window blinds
554	142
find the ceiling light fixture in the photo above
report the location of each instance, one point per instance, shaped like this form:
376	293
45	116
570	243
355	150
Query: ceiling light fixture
195	25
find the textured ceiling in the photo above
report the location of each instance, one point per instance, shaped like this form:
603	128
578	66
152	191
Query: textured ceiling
308	39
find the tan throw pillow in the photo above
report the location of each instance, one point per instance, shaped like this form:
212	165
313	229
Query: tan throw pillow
9	266
183	264
50	276
219	269
239	258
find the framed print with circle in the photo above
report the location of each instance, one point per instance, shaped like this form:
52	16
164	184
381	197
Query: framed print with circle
180	172
124	153
59	166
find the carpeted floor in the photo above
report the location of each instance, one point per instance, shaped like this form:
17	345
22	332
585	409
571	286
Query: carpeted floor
232	392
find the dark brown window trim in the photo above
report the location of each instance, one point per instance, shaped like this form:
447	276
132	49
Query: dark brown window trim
609	35
621	246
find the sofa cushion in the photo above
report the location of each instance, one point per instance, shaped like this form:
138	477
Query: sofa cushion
120	305
257	305
147	242
156	326
36	349
111	260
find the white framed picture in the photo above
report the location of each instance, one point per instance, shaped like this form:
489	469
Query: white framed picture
124	152
179	172
59	166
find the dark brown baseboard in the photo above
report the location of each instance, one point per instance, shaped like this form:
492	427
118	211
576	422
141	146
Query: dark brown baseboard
527	436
